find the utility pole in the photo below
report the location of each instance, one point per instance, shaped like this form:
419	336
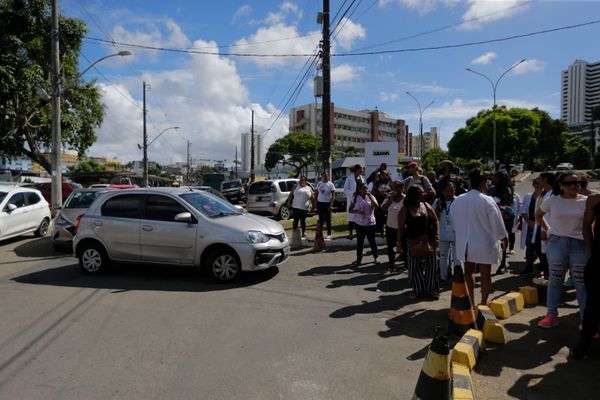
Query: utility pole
326	117
235	162
252	149
145	173
188	163
56	186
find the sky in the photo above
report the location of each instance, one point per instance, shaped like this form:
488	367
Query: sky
222	60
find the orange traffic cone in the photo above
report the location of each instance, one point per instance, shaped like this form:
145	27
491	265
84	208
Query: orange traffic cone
319	240
462	316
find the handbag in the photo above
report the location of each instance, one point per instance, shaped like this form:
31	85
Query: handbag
419	247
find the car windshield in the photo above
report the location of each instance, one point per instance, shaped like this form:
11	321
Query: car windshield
230	185
209	205
2	196
260	188
82	199
339	184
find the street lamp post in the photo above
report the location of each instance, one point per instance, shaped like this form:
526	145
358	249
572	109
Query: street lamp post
56	184
145	148
421	111
494	88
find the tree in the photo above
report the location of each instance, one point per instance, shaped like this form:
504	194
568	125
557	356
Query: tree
294	149
87	166
528	136
25	126
432	158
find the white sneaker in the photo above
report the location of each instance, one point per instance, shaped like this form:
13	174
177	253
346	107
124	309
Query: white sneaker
328	237
512	252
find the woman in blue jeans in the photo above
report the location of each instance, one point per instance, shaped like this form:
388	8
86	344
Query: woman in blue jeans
565	247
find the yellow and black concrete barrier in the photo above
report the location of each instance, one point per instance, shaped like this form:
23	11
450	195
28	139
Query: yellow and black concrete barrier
507	305
468	349
493	331
462	385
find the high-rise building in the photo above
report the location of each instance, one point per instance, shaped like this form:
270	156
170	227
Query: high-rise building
580	93
431	140
246	152
350	129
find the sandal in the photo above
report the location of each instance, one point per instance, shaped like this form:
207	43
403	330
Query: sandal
412	296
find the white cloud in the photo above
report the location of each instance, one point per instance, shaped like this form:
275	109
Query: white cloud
349	32
205	97
484	58
527	66
345	73
422	88
154	38
241	12
388	97
480	12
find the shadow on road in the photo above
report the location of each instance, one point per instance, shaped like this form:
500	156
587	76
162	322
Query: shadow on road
38	248
125	277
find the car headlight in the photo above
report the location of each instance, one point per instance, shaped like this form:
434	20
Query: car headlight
257	237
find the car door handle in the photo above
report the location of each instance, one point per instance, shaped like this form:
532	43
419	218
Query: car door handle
147	228
97	223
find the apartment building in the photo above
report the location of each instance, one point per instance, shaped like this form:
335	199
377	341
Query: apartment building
431	140
351	128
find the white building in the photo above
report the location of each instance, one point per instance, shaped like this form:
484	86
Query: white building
431	140
246	153
580	92
350	128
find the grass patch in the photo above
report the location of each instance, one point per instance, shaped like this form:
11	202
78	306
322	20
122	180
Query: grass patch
339	225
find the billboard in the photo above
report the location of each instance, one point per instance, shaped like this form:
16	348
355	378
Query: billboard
381	152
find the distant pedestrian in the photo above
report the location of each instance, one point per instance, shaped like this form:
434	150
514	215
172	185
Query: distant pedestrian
382	187
415	178
447	247
350	185
479	234
566	248
528	226
325	197
546	182
503	194
392	206
450	173
418	223
302	198
591	315
363	205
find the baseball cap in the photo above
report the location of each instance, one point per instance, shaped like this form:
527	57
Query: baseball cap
413	164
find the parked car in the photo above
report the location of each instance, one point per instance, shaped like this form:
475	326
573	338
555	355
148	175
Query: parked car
270	197
564	166
233	190
339	201
99	185
67	188
75	205
23	210
177	226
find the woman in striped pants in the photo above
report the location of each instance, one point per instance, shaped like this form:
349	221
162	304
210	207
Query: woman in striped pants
418	223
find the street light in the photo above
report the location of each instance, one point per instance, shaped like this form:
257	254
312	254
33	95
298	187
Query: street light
145	148
494	87
421	111
56	185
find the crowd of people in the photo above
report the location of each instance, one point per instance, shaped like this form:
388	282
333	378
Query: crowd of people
437	222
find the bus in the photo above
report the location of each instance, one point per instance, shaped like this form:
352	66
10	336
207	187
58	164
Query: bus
213	179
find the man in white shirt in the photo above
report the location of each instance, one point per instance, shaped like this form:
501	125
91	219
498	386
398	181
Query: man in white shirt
479	234
325	197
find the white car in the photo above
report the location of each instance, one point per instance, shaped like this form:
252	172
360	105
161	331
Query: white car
23	210
564	166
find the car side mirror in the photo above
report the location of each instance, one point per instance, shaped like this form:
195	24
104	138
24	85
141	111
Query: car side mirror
11	207
184	217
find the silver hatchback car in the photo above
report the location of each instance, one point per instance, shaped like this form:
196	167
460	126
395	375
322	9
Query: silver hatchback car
270	197
177	226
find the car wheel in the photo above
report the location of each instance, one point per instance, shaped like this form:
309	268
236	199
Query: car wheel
93	259
284	212
224	265
42	230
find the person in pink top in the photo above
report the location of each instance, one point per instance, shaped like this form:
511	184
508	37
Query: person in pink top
363	205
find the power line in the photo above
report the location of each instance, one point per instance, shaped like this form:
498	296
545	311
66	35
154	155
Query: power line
347	54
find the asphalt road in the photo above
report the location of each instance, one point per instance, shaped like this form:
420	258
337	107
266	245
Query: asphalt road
316	328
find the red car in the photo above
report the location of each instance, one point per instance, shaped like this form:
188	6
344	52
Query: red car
67	188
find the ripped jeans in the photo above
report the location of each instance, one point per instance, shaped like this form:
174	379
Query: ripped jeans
565	253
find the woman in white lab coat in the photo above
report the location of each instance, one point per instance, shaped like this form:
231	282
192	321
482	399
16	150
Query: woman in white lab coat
479	234
349	190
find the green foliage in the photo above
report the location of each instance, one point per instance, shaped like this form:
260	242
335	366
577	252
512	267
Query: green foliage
432	158
25	126
295	149
528	136
576	151
87	166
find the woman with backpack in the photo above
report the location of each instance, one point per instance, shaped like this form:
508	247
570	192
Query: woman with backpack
447	248
418	223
